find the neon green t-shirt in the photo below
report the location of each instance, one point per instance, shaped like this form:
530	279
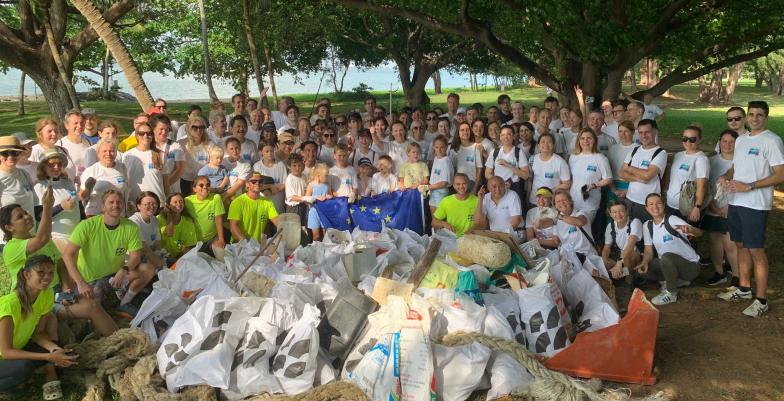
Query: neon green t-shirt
102	251
184	235
15	255
253	215
413	173
25	327
458	213
203	214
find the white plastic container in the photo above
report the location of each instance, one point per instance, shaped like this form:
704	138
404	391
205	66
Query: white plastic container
292	230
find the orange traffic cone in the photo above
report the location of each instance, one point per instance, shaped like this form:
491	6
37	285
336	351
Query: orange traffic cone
620	353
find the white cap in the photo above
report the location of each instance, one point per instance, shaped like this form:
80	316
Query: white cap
461	110
22	137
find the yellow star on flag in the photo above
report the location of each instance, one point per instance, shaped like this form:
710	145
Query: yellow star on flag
376	211
351	211
348	220
363	208
388	218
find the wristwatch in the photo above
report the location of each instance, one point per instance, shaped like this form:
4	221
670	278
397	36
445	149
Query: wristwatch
753	185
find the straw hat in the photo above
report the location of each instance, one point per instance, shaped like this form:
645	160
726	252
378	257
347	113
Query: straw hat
10	142
51	154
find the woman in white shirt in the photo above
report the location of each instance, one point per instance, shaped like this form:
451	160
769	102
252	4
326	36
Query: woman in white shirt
590	173
479	130
396	148
147	205
575	122
509	162
171	153
572	229
47	132
689	165
467	155
65	214
540	220
196	147
145	166
620	241
548	169
16	186
525	136
617	154
106	174
270	167
715	220
668	237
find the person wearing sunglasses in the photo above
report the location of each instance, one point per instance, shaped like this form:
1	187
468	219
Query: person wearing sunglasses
16	186
689	165
197	152
66	215
24	161
250	212
145	166
736	121
326	152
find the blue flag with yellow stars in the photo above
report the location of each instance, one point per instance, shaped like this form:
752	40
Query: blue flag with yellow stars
399	209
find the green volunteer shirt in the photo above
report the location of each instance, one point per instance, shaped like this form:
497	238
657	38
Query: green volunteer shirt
253	215
24	327
458	213
184	235
102	251
203	213
15	255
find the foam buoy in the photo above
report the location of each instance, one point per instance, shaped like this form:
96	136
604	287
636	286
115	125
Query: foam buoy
620	353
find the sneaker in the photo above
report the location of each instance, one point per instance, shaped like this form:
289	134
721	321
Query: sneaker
717	279
127	311
735	295
665	297
756	309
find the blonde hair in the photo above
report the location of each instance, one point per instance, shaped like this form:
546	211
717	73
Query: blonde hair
43	122
216	151
317	171
579	149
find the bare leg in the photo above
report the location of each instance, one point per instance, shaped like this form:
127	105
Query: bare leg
744	265
316	234
760	259
717	251
88	308
731	250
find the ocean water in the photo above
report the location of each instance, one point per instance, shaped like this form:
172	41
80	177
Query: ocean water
381	78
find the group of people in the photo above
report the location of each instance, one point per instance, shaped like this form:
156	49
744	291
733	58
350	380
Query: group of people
87	216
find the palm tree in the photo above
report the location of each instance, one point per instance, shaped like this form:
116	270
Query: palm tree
254	54
113	43
204	43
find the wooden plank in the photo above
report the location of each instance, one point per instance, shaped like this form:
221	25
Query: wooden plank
423	266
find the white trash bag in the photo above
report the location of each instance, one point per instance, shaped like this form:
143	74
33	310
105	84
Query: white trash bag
459	370
507	376
590	305
545	319
296	362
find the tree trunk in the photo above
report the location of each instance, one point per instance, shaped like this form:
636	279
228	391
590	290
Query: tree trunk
759	78
270	70
715	86
649	72
105	67
206	48
614	85
413	84
633	80
472	81
732	82
254	53
437	82
54	48
346	66
54	90
20	111
704	91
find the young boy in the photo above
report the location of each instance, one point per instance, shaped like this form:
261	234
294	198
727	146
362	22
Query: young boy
363	150
383	181
295	189
366	171
413	172
343	178
214	170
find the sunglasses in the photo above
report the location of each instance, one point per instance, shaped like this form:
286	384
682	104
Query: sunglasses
10	153
329	135
340	123
198	127
692	139
254	182
146	133
736	119
54	164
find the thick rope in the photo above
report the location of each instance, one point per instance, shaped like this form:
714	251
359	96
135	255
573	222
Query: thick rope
548	385
335	391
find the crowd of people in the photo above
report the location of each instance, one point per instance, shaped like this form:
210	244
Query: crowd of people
86	216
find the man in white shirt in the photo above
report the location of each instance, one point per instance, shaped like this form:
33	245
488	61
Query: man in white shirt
551	103
499	209
644	168
74	144
758	165
617	115
279	116
652	111
370	105
736	121
238	103
604	141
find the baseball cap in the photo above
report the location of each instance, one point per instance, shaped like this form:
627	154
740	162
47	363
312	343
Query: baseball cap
544	191
461	110
88	112
285	137
365	162
269	127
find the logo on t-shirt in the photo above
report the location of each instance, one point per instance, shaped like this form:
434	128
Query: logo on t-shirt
233	174
549	175
592	168
667	238
201	158
210	216
470	159
754	151
151	166
170	155
684	167
645	163
119	251
347	181
120	180
436	171
572	230
246	157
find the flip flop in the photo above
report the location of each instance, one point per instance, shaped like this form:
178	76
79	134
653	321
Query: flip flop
52	390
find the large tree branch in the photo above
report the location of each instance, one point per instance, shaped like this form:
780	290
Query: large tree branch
87	35
680	76
14	49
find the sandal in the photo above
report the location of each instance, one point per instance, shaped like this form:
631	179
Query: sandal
52	390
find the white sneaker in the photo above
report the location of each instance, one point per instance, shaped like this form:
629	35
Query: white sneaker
735	294
665	297
756	309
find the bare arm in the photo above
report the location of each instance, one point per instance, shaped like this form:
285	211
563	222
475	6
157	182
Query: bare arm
44	233
236	230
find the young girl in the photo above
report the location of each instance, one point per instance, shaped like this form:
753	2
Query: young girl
413	172
219	177
383	181
270	167
178	233
467	155
366	171
441	173
319	190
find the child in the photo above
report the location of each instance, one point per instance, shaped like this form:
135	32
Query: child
413	172
344	181
214	170
319	190
363	150
366	171
384	180
295	189
441	174
270	167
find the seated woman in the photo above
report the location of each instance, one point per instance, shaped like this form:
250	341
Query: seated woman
620	241
572	229
208	214
667	236
178	234
147	206
24	316
540	220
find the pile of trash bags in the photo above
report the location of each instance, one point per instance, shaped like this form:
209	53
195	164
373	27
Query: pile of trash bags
346	309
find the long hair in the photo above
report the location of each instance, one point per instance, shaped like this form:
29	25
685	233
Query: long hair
456	142
157	159
5	219
21	282
43	122
579	149
169	198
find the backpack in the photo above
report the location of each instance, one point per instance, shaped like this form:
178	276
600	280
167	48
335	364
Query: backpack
655	153
670	229
519	186
688	196
615	249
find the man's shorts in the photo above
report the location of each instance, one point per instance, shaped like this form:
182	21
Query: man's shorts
747	226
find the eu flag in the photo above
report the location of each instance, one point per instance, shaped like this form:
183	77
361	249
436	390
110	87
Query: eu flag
399	209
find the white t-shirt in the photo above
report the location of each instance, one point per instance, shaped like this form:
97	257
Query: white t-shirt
326	155
295	186
91	156
642	159
381	183
755	157
442	170
249	150
570	138
343	180
280	119
605	142
611	129
536	213
550	173
718	166
652	111
500	215
252	134
616	155
64	222
237	171
588	169
149	233
425	152
194	159
574	238
560	141
509	157
17	187
556	124
664	242
633	227
142	174
278	174
105	178
76	152
357	155
397	151
685	167
488	145
171	153
467	159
